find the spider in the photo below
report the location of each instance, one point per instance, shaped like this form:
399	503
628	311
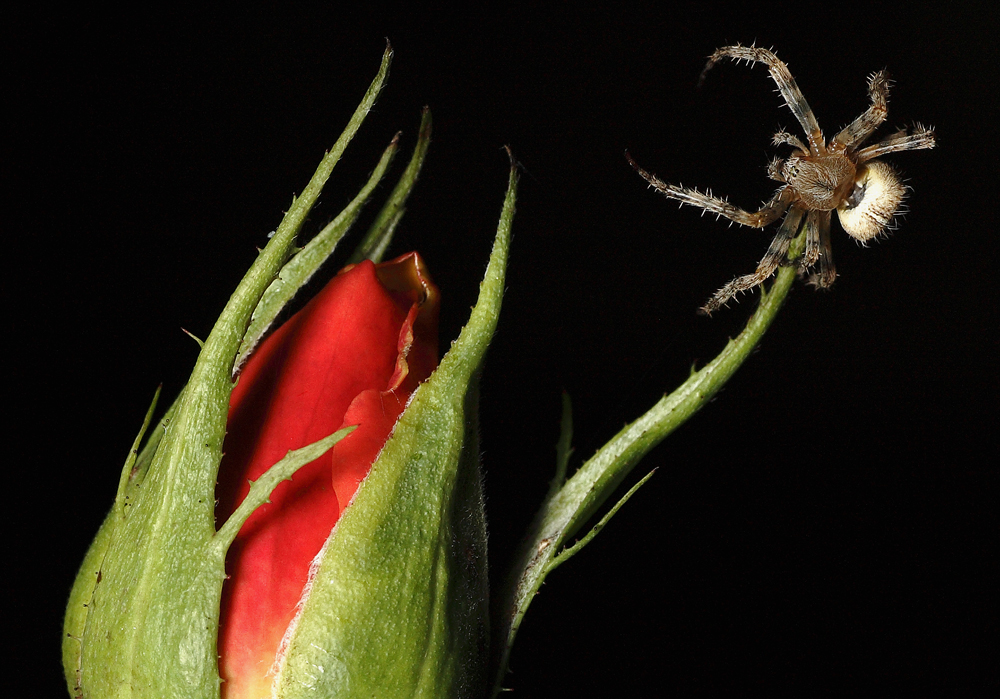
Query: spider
817	178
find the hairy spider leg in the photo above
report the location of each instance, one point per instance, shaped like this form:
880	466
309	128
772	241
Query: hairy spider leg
692	197
864	126
817	185
922	137
783	137
827	270
811	254
794	98
770	262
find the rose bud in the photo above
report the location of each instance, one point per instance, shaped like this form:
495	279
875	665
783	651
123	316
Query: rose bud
352	356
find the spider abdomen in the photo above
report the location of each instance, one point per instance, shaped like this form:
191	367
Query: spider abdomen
822	182
876	197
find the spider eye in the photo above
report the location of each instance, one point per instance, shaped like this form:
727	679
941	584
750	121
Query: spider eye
876	197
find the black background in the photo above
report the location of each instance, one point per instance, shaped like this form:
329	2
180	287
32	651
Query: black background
826	524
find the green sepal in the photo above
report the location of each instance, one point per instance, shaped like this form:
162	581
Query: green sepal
152	620
379	235
143	615
570	503
75	622
398	604
261	489
307	260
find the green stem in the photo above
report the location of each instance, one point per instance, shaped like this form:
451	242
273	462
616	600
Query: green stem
570	506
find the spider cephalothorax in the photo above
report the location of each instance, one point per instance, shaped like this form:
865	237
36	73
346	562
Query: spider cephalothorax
817	178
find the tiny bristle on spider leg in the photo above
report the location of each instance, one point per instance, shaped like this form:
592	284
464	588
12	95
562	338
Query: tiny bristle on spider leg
817	178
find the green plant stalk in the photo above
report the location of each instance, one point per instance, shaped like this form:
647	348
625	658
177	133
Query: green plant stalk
572	503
